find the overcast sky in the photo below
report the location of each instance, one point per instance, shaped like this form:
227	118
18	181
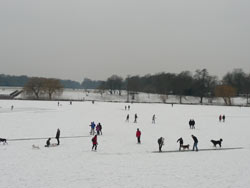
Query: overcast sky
73	39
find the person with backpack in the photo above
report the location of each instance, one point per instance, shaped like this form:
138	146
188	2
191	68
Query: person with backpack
160	143
94	142
138	136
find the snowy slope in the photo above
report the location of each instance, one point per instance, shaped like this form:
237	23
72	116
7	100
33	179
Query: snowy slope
120	161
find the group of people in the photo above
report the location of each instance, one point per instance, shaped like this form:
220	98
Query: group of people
136	117
58	132
192	124
127	107
222	117
181	142
94	127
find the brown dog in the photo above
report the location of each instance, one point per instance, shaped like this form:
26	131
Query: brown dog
185	147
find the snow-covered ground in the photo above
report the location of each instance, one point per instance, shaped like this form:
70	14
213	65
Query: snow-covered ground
119	160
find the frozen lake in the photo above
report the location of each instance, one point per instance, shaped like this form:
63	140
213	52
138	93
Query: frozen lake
119	160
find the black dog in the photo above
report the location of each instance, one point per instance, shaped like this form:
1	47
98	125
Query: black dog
3	140
215	142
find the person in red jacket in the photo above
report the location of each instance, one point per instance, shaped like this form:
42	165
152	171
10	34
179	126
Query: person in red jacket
94	142
138	135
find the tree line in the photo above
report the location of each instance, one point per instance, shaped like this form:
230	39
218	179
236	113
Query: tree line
20	81
200	84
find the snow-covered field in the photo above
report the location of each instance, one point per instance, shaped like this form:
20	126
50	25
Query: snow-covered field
119	160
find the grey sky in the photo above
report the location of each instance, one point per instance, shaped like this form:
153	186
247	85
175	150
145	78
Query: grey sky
73	39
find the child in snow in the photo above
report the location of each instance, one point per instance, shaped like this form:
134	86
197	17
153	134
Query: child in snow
94	142
138	135
48	142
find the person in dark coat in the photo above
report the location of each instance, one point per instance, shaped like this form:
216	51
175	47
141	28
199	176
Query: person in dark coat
127	118
99	129
160	143
195	146
223	118
220	117
135	121
153	119
190	123
94	142
180	140
138	135
58	136
48	142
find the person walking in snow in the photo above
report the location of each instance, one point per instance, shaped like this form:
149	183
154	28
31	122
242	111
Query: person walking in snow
58	136
92	125
128	107
127	118
125	107
223	118
195	146
94	142
99	129
138	136
220	117
135	121
180	140
160	143
153	119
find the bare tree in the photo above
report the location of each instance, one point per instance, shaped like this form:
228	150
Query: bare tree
226	92
52	86
203	84
34	86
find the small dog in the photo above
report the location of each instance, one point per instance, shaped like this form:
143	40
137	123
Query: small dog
215	142
4	140
35	147
185	147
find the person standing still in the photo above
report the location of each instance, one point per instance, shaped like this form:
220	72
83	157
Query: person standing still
195	146
138	135
58	136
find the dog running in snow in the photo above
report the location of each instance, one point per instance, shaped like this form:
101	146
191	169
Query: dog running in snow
35	147
3	140
215	142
